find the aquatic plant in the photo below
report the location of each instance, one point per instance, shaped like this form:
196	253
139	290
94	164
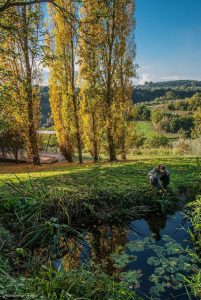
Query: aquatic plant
169	261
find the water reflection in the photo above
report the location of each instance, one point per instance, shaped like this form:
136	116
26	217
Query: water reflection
102	241
156	224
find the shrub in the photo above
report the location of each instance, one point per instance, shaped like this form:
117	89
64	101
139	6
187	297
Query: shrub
156	116
177	123
181	147
11	140
170	95
157	141
195	146
141	112
138	139
197	123
195	101
179	105
172	123
171	106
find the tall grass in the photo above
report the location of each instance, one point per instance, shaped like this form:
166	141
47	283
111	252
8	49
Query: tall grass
80	284
194	213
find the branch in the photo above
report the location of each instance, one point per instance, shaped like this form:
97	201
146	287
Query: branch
10	4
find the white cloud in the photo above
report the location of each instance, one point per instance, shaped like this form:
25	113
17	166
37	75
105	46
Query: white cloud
143	78
148	76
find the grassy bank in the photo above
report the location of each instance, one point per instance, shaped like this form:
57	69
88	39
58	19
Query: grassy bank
42	206
112	177
106	191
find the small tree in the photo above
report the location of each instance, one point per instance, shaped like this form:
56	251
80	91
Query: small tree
197	123
11	140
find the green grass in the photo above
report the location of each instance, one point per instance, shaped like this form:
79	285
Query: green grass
41	220
147	129
112	177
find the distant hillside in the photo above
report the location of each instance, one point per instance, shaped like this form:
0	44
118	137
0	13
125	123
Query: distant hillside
171	84
167	90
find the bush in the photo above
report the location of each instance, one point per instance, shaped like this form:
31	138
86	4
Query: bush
195	101
156	116
181	147
171	106
187	146
184	123
157	141
138	139
141	112
172	123
11	140
197	123
179	105
195	146
170	95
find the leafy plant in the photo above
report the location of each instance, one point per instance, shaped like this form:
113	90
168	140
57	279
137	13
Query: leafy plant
168	262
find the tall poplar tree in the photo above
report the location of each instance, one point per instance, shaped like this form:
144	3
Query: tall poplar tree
90	84
63	90
108	61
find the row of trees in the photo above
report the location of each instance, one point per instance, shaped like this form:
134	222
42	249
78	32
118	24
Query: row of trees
91	106
89	50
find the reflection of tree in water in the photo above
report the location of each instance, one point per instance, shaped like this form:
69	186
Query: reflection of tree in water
103	241
72	259
156	222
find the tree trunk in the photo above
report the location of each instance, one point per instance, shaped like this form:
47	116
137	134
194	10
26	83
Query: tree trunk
111	146
15	152
109	96
67	154
3	152
32	134
77	125
110	138
95	143
123	151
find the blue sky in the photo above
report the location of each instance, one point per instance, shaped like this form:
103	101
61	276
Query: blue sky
168	38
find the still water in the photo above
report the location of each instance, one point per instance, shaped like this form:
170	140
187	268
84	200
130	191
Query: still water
102	241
